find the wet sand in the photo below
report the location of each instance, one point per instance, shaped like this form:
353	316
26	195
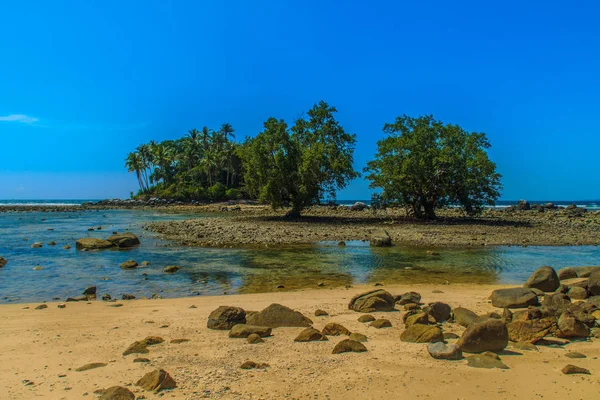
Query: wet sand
46	346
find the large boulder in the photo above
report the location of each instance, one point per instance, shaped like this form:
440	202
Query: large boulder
124	240
443	351
117	393
584	312
276	316
349	345
464	317
408	298
514	298
375	300
567	273
544	279
584	272
380	238
419	333
92	244
335	329
594	283
359	206
244	330
3	262
555	304
440	311
225	317
571	327
490	335
157	380
310	334
530	330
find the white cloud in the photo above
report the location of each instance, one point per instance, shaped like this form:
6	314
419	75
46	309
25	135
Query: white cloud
25	119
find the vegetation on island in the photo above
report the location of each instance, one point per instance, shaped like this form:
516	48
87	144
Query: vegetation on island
422	164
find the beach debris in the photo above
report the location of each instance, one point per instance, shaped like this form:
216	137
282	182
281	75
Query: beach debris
157	380
310	334
380	238
89	366
245	330
334	329
570	369
366	318
276	316
254	339
514	298
381	323
124	240
544	278
419	333
349	345
254	365
490	335
129	264
443	351
225	317
92	244
485	361
321	313
408	297
441	312
116	393
374	300
359	337
171	269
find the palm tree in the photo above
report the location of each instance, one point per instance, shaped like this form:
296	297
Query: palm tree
133	164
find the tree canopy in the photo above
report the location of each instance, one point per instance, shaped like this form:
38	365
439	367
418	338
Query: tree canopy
424	164
301	165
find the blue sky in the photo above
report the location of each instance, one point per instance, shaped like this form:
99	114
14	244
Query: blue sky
82	83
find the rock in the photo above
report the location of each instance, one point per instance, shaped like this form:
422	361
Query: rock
128	296
419	333
571	327
129	264
276	316
139	347
584	312
117	393
244	330
464	317
526	346
348	345
358	206
523	205
595	332
594	300
225	317
555	304
310	334
574	354
36	245
575	282
366	318
92	244
530	330
566	273
67	247
411	306
52	243
594	283
124	240
254	339
450	336
440	311
178	341
484	361
89	291
573	369
335	329
141	360
409	297
381	323
41	307
359	337
372	301
171	269
514	298
545	279
61	306
157	380
254	365
577	293
380	238
3	262
490	335
321	313
87	367
417	318
442	351
527	315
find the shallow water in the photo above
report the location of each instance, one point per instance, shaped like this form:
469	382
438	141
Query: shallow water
205	271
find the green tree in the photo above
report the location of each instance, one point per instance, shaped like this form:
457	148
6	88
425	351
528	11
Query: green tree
423	164
302	165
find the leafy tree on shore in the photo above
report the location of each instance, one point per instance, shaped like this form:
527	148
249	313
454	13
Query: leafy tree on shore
302	165
424	164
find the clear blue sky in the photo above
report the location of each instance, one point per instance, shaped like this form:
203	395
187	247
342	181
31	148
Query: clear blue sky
82	83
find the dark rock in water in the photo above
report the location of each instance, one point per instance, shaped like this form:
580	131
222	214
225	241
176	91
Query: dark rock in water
128	296
574	354
129	264
381	323
409	297
310	335
90	290
573	369
171	269
87	367
244	330
117	393
348	345
92	244
567	273
514	298
545	279
555	304
372	301
321	313
141	360
157	380
380	238
146	263
491	335
442	351
255	339
276	316
571	327
440	311
225	317
359	337
3	262
366	318
335	329
124	240
254	365
106	297
36	245
594	283
464	317
531	330
52	243
419	333
41	307
484	361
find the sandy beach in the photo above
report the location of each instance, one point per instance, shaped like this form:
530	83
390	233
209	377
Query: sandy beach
40	350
